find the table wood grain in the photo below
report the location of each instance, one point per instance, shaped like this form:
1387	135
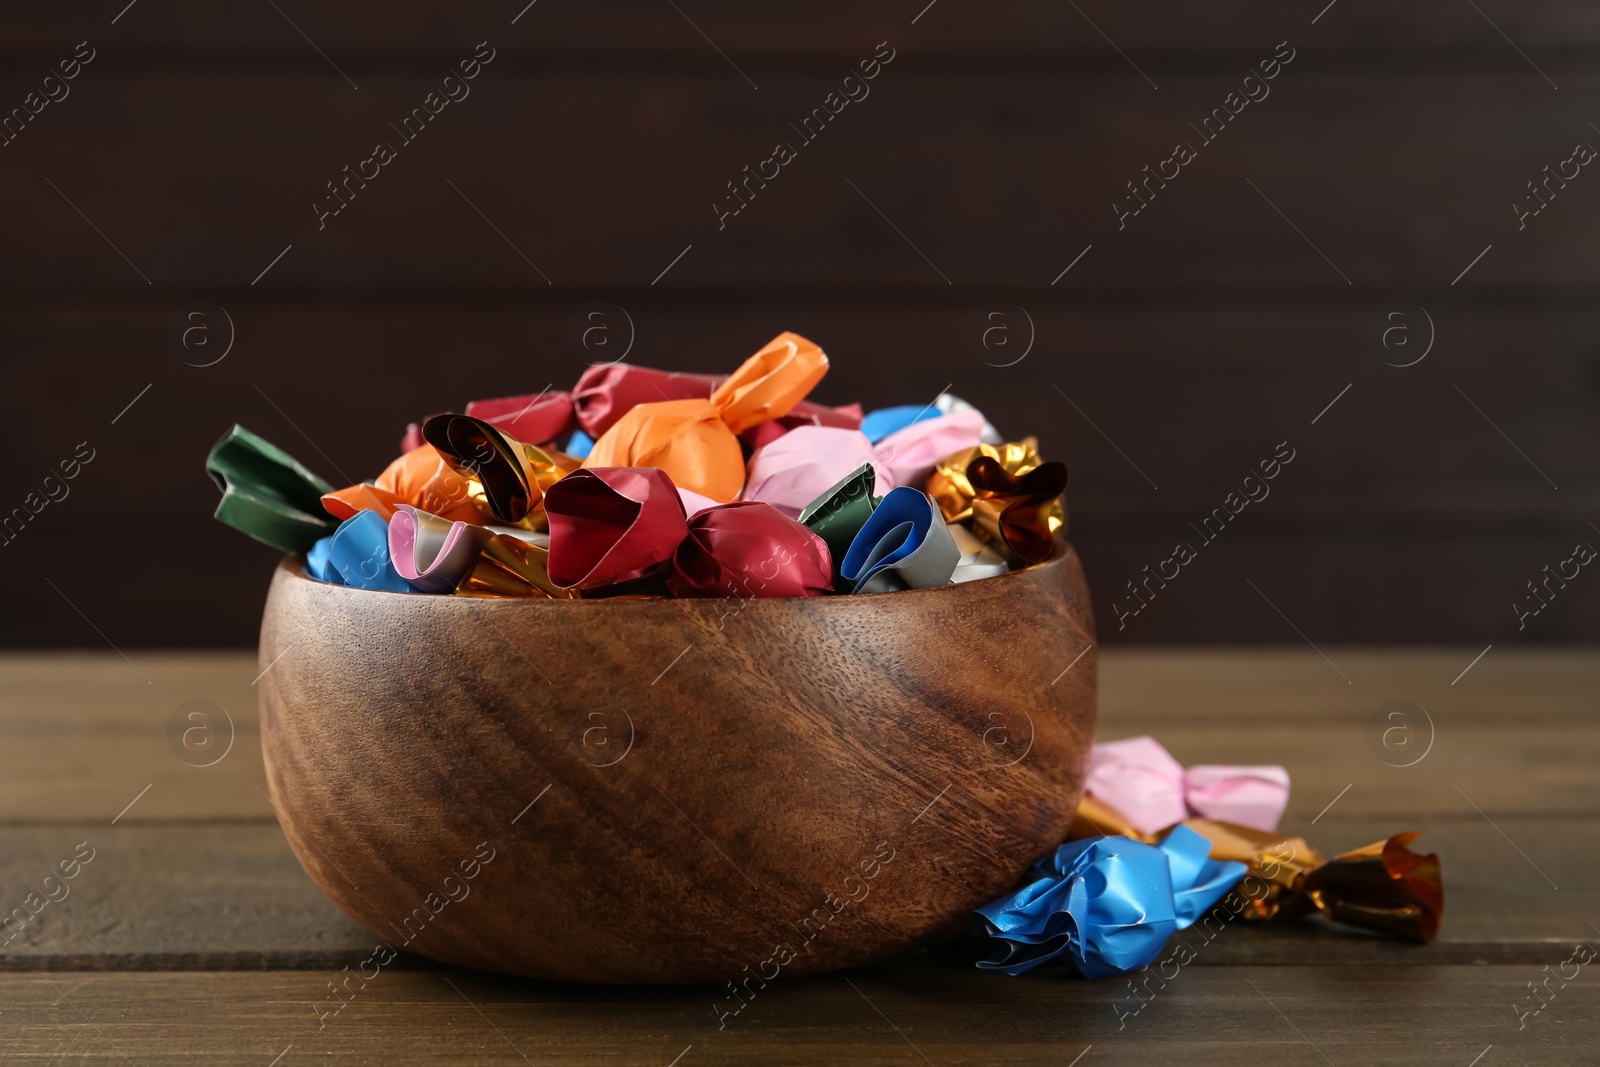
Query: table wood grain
193	937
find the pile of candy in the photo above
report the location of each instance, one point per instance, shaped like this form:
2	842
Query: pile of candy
644	483
1158	849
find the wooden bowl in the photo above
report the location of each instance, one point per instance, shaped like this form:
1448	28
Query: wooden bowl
675	790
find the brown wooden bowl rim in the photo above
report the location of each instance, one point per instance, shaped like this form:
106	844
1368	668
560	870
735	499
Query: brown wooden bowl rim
294	565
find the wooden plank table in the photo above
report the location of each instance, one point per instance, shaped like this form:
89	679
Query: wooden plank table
192	936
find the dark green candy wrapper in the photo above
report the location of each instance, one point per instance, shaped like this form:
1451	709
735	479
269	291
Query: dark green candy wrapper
267	493
839	513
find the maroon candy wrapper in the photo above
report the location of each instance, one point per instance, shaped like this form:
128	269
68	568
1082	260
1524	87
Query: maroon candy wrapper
749	549
537	419
611	525
606	392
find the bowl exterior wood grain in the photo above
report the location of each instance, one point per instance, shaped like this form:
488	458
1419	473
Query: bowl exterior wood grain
675	790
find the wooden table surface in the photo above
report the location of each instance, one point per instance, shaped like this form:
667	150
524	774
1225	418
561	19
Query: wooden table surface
192	936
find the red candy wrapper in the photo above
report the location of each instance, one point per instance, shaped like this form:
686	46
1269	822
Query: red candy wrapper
749	549
612	524
536	419
413	438
810	413
605	393
805	413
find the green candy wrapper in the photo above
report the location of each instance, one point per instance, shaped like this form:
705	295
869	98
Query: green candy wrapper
267	494
839	513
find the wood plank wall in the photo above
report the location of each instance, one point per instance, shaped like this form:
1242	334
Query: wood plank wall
1185	343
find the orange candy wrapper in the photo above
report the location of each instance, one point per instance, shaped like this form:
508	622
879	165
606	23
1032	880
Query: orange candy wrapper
422	478
696	441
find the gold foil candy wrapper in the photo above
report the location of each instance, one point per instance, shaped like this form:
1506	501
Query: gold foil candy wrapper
506	477
1279	860
508	566
545	467
1094	819
1007	494
952	490
1384	886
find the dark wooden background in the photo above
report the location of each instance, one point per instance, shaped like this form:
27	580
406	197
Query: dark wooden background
1196	339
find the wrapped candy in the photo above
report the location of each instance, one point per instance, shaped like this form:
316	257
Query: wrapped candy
1249	796
749	549
430	553
950	486
1140	780
910	454
694	503
1022	512
608	391
508	565
540	418
1104	906
611	525
421	478
412	439
764	434
357	554
1384	887
877	425
881	423
904	544
266	493
839	512
696	441
977	560
363	496
511	475
1012	499
317	564
796	468
579	445
465	506
804	413
949	403
810	413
